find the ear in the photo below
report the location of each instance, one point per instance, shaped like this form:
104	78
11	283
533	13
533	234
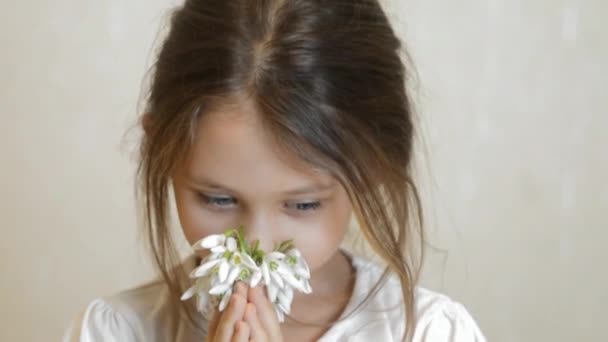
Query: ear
147	122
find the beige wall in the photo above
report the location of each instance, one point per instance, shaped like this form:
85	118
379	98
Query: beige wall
513	96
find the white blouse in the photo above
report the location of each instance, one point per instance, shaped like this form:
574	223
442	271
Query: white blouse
142	314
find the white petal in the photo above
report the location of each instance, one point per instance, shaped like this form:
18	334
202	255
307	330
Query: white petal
307	287
266	273
202	298
304	265
272	292
282	268
277	279
236	255
284	302
225	300
248	261
255	278
276	255
291	280
197	246
231	244
204	268
301	271
213	240
212	256
213	281
219	289
288	292
218	249
224	268
189	293
280	315
234	273
283	306
302	262
200	304
294	252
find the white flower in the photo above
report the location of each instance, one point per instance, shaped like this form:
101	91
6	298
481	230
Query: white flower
244	268
204	303
225	299
280	314
284	299
204	268
210	241
282	273
281	270
294	259
274	260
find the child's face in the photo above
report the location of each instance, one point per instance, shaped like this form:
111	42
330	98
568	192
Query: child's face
234	177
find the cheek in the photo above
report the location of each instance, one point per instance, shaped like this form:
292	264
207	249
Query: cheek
322	241
320	246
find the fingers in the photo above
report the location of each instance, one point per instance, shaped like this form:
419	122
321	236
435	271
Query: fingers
242	329
256	329
243	321
266	315
233	313
241	332
241	288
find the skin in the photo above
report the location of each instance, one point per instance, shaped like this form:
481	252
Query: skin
235	175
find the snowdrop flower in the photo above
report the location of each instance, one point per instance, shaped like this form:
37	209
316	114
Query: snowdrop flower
300	269
283	273
244	268
210	242
204	302
232	258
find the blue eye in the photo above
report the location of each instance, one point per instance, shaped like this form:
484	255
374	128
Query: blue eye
221	202
228	202
307	206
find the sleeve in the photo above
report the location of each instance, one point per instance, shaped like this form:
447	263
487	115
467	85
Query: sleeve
99	322
450	323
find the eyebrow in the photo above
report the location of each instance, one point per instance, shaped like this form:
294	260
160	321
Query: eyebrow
308	189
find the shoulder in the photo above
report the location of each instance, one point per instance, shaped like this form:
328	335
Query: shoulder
439	317
143	313
99	321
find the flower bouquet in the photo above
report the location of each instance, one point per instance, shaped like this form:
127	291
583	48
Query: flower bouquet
232	258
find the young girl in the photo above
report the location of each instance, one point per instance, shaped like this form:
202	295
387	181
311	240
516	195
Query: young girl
289	117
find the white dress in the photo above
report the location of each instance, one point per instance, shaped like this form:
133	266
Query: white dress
142	315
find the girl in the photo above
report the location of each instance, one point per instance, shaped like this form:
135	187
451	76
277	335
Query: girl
289	117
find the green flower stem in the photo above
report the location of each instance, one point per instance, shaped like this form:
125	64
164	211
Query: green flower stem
243	245
253	248
285	246
230	233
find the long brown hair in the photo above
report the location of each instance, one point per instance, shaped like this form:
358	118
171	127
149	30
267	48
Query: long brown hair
329	78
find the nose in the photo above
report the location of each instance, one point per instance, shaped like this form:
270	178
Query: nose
258	226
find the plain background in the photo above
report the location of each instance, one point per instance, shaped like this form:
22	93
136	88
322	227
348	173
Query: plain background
513	98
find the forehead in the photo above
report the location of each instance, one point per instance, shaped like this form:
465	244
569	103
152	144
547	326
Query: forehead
232	147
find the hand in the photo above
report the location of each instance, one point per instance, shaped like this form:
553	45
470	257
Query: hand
229	326
260	317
